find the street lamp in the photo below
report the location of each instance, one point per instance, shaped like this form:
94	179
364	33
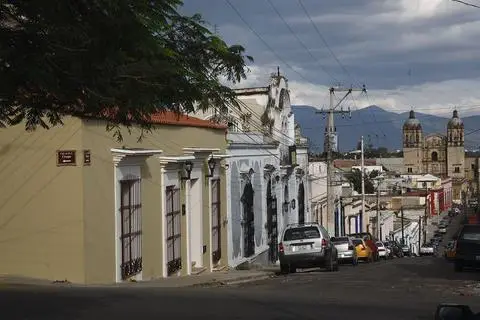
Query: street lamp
187	166
211	167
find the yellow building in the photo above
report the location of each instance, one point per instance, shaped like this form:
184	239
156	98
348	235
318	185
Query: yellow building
77	205
436	154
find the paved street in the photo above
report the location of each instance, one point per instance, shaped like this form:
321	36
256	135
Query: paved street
407	288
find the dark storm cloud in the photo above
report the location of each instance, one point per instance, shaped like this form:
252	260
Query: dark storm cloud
384	43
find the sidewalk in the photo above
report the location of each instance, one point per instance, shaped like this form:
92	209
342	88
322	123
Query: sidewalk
220	278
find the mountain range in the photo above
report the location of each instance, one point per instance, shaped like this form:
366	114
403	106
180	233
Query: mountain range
379	127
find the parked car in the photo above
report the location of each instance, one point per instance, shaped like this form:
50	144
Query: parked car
382	250
449	252
306	245
390	249
363	250
427	250
346	249
369	240
406	250
442	230
396	248
467	249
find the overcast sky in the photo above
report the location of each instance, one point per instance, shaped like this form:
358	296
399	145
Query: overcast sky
420	53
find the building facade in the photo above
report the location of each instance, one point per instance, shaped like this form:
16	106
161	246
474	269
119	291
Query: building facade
437	154
333	221
267	171
83	207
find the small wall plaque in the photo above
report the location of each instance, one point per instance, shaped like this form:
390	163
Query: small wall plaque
66	158
86	157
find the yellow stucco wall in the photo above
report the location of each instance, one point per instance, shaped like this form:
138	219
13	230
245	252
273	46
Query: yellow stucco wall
41	221
99	204
58	222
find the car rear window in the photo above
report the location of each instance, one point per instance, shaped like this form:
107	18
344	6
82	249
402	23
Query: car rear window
356	242
301	233
379	244
340	240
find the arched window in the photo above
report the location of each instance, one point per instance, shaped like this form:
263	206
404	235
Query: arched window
434	156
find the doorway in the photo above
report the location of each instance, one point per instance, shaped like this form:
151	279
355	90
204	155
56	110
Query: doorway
272	226
301	203
248	223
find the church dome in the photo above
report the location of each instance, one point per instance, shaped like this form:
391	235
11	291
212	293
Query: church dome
455	122
412	123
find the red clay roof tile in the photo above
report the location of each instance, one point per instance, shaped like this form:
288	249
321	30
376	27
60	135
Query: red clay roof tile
172	118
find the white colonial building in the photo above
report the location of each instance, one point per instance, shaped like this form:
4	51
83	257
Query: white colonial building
317	177
266	172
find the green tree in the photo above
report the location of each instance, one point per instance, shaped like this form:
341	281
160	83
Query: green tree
130	57
355	178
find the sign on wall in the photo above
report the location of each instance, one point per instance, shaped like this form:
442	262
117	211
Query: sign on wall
86	157
66	158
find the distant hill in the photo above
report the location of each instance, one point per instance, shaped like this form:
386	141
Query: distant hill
379	127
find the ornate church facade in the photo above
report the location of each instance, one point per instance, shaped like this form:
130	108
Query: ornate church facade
437	154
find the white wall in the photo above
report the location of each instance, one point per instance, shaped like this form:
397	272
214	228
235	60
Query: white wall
411	233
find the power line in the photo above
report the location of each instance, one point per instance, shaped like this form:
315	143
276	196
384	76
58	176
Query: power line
324	40
299	40
263	41
467	3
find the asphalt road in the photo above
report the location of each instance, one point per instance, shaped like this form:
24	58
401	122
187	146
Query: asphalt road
407	288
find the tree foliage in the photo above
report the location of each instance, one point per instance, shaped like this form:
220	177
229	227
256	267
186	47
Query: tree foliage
136	57
355	178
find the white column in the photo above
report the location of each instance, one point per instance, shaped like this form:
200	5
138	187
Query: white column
188	228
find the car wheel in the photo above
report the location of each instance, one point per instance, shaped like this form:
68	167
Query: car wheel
284	268
337	266
292	268
458	266
330	264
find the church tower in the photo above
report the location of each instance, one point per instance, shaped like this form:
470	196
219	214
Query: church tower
412	145
455	147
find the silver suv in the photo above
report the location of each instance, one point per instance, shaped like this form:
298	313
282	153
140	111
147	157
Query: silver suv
346	249
305	246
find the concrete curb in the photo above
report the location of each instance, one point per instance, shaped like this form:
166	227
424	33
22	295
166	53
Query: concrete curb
232	282
14	283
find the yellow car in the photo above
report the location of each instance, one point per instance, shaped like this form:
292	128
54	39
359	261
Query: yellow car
450	251
363	251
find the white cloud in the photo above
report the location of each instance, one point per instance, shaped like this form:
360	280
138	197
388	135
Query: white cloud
379	41
433	98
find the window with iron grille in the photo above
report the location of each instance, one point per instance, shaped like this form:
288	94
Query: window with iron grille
216	235
174	230
131	227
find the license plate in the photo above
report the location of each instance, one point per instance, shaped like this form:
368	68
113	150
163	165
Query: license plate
300	248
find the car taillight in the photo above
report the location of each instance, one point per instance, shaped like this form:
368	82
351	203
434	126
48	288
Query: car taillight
324	243
280	247
350	247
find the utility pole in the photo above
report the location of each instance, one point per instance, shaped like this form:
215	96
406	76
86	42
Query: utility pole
403	227
362	168
329	136
477	175
425	217
378	212
420	234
